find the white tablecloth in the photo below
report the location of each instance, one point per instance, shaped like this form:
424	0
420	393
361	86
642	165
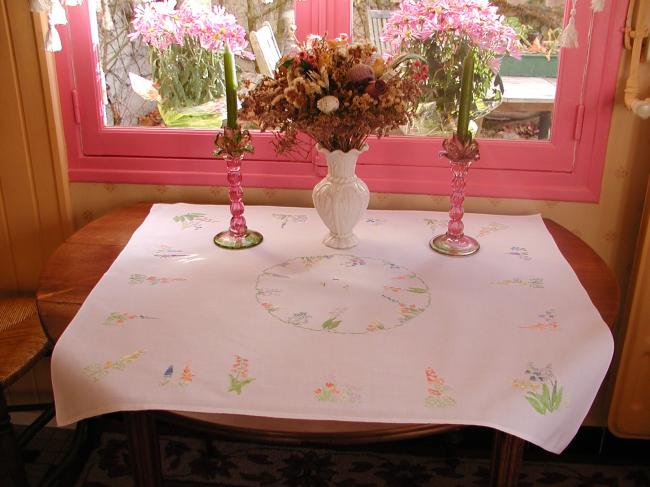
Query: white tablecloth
387	331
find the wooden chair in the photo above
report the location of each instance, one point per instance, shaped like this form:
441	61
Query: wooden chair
22	343
376	21
266	50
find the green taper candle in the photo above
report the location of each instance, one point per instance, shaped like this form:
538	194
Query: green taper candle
231	87
465	97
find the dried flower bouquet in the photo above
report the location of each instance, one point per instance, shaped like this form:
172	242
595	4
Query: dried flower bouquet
336	93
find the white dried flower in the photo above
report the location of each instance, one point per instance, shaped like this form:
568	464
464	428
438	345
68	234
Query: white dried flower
328	104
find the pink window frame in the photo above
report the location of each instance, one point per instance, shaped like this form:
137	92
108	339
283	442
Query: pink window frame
569	167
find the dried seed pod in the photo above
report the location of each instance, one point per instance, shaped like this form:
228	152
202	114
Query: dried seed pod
360	74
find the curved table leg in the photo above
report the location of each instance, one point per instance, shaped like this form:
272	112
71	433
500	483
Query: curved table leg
144	449
507	455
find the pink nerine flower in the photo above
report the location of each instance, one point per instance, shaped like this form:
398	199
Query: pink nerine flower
160	25
475	21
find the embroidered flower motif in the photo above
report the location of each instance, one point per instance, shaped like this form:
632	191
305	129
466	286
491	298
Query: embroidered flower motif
375	221
542	390
97	370
491	228
193	220
152	280
284	219
409	312
184	380
354	261
332	392
535	282
312	260
435	225
168	252
376	326
546	321
117	319
286	292
520	252
437	391
300	318
239	375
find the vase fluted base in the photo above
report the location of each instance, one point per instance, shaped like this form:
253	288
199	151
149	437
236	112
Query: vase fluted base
448	245
340	241
228	240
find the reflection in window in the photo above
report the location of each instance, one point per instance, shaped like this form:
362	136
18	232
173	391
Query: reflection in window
529	84
133	98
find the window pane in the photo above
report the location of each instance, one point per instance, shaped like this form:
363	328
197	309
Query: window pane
529	84
187	91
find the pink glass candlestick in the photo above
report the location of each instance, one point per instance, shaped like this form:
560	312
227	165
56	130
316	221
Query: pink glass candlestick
455	242
231	146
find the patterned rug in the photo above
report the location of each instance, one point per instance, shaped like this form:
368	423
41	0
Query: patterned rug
189	462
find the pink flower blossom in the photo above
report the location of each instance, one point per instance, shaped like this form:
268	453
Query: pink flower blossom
160	25
451	21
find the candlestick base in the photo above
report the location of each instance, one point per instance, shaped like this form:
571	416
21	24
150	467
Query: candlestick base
228	240
449	245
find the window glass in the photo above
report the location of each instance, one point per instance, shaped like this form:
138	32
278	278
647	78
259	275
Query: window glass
526	88
191	74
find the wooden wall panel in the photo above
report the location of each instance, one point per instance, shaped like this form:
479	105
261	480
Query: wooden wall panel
34	203
629	415
7	271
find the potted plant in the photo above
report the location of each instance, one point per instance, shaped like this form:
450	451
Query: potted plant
539	58
185	48
437	30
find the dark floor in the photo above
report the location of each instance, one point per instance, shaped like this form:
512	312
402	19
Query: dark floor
471	445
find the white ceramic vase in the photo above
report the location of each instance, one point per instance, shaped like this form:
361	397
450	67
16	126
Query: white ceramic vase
341	197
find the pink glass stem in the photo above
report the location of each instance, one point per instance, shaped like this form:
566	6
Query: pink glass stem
455	226
237	222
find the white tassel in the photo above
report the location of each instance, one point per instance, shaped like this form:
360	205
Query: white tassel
52	40
40	5
597	5
57	14
569	36
72	3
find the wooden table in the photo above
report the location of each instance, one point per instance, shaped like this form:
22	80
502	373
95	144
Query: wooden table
78	264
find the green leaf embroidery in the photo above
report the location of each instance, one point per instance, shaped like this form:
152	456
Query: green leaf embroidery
535	403
546	397
417	290
331	324
236	384
556	397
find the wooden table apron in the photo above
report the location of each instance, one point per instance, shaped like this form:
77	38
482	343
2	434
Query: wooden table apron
78	264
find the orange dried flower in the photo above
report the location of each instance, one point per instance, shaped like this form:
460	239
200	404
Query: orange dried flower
288	104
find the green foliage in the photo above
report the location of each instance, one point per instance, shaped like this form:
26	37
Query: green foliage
187	217
445	65
237	384
187	75
331	323
417	290
548	400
